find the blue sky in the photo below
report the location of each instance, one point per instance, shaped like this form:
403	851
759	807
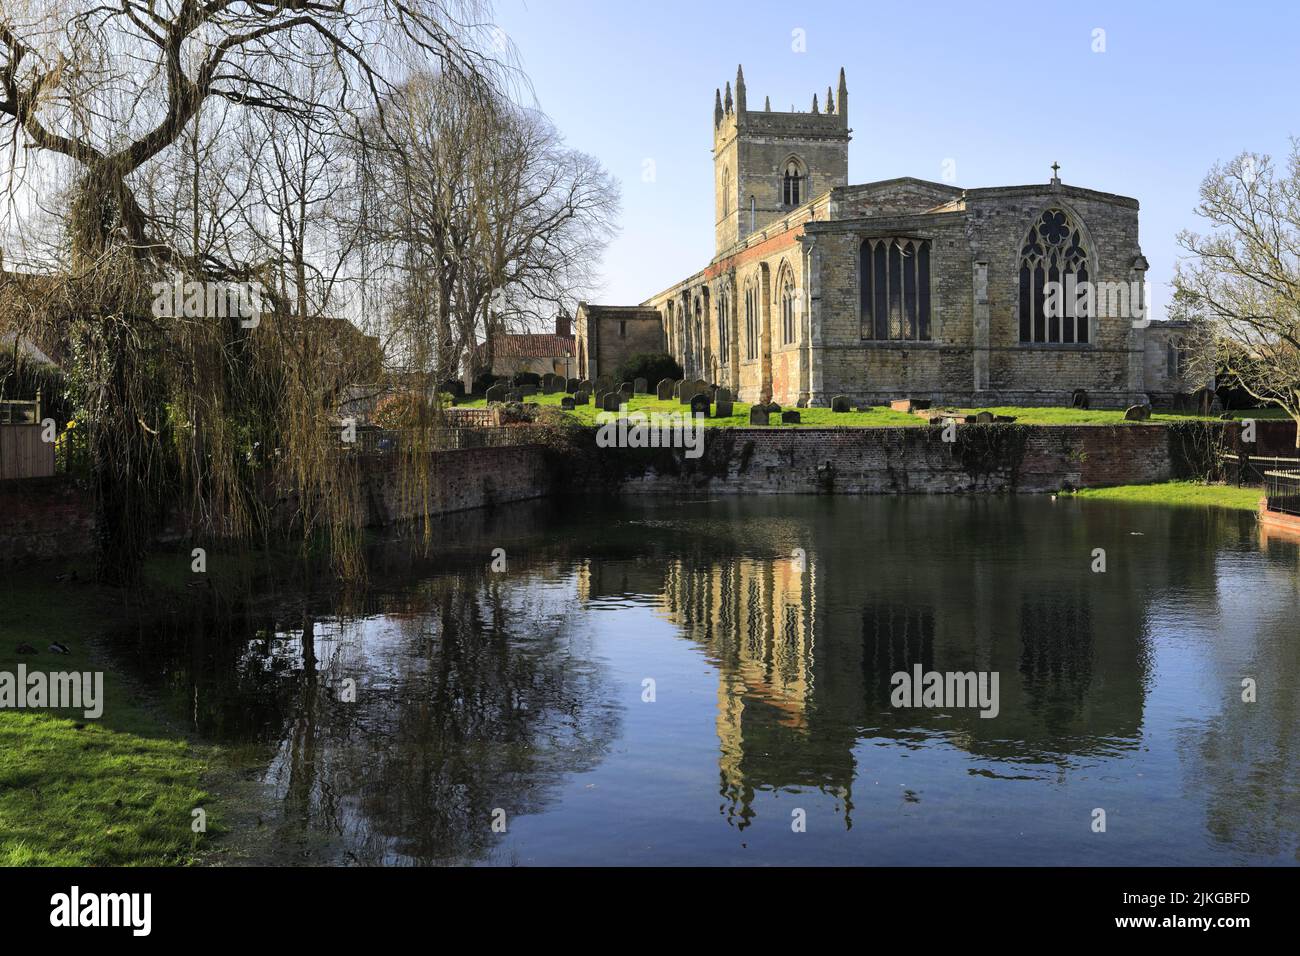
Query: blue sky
1001	89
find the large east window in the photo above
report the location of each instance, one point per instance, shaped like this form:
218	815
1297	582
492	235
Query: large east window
1054	252
751	324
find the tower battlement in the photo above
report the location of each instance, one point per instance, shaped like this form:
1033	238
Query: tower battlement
767	162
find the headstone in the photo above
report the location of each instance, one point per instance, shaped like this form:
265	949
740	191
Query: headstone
515	395
552	383
626	390
722	403
581	398
758	415
584	385
664	390
640	386
497	393
790	418
572	386
527	390
774	408
1079	398
1137	413
612	401
985	418
700	406
600	398
527	378
909	404
566	403
840	403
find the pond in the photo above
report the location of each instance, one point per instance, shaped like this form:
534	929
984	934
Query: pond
712	682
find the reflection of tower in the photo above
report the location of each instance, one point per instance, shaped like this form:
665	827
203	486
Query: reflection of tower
755	617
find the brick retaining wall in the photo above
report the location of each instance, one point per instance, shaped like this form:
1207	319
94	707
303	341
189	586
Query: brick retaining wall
44	518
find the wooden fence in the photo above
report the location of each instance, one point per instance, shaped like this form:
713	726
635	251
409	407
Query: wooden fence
23	454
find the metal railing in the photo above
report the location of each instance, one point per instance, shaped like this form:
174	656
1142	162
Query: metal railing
1251	469
1282	491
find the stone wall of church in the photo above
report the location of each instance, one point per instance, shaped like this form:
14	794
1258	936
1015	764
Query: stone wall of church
991	230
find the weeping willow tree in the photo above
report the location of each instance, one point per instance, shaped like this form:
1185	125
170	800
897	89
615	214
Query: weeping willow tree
200	142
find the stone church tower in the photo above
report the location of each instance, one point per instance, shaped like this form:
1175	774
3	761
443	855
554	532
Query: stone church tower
767	163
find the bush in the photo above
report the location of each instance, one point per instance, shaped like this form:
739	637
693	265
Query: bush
485	380
652	367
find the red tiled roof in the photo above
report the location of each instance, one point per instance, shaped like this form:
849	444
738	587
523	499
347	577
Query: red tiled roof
529	346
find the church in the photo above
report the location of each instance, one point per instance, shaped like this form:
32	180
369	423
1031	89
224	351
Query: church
902	288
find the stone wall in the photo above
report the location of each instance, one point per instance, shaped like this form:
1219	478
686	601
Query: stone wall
459	481
985	458
43	518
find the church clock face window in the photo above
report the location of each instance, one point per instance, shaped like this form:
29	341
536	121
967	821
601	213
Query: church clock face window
1054	252
895	289
791	182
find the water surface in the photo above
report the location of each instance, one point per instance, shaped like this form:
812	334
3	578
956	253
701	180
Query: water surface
769	629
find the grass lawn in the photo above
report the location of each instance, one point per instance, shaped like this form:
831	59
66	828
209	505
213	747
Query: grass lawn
1192	493
116	791
883	416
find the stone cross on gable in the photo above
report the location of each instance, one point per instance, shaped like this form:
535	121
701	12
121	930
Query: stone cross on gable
1056	169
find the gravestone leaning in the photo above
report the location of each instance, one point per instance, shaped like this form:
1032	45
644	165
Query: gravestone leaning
497	393
664	390
1137	413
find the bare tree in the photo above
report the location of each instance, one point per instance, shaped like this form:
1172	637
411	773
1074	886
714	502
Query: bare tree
1241	284
495	216
127	101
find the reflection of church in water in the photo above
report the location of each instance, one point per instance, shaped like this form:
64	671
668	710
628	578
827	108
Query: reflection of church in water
805	648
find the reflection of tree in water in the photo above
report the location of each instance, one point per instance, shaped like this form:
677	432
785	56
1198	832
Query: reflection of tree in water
1245	759
490	708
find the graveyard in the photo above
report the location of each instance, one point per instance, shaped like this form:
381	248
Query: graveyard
863	417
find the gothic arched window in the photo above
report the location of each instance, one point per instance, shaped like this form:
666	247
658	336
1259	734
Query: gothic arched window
791	182
788	309
753	213
726	192
751	324
895	289
1054	265
724	302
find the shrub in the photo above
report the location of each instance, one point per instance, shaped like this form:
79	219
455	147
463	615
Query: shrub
651	366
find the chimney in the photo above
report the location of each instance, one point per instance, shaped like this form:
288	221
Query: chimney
563	324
